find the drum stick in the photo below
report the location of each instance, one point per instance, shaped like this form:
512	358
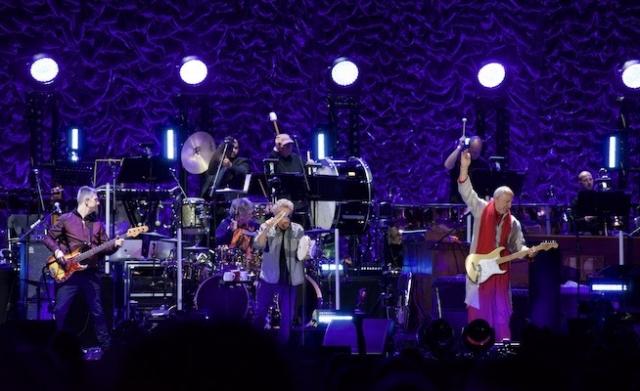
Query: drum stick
264	191
274	120
464	127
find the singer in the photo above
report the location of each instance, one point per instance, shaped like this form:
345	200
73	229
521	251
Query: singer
281	270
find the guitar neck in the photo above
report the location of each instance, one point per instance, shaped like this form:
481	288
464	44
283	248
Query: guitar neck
511	257
96	250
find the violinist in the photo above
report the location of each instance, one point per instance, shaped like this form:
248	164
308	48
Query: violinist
239	227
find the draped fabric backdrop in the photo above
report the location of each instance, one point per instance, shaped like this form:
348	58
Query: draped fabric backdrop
418	61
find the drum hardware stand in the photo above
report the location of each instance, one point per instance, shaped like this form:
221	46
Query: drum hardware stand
306	179
179	258
212	196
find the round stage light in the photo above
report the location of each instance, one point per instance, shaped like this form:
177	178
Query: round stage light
193	71
491	75
44	69
631	74
478	336
344	72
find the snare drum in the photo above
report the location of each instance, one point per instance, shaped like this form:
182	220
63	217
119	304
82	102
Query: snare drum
195	213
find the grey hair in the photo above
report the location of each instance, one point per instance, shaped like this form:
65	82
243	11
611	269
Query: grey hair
502	190
282	203
241	205
85	192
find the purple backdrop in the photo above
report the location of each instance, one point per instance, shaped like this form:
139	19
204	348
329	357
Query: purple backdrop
418	62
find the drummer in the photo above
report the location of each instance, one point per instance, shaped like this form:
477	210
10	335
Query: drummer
237	229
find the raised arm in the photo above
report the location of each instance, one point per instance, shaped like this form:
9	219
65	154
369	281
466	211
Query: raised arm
451	160
469	196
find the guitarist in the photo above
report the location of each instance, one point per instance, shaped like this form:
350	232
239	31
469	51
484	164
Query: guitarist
78	229
493	226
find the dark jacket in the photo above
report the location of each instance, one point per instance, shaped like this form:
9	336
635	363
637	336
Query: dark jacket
71	232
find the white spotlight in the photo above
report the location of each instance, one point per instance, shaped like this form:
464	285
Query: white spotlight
170	144
193	71
44	69
344	72
491	75
631	74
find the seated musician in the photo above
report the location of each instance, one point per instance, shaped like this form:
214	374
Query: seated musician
237	228
493	226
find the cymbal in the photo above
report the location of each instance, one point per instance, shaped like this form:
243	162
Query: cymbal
197	151
172	240
317	231
155	235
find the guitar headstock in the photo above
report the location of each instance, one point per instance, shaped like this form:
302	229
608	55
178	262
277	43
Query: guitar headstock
547	245
133	232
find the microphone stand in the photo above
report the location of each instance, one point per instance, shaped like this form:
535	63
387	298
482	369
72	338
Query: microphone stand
215	178
212	193
36	173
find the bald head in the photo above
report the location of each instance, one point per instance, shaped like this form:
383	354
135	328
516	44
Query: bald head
586	180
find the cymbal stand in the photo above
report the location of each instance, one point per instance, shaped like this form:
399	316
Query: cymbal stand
179	244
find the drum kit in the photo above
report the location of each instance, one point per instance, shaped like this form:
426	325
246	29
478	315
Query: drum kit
221	280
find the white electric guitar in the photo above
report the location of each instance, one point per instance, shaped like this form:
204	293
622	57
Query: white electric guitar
480	267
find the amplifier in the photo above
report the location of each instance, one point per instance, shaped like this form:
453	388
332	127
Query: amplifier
146	285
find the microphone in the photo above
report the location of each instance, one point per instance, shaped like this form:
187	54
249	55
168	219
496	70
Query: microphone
56	208
274	118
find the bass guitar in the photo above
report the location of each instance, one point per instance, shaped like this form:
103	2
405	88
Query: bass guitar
480	267
75	259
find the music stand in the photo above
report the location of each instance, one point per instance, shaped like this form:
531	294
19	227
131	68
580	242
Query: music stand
148	170
144	169
485	182
603	205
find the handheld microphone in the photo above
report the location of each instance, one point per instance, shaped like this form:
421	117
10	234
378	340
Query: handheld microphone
274	118
56	208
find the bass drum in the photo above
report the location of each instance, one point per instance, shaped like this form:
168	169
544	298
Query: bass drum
353	211
222	300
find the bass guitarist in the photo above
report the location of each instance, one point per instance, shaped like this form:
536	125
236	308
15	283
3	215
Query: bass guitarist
74	230
493	226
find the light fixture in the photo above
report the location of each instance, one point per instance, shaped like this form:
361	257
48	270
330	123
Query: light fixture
44	69
613	152
478	336
344	72
193	71
74	144
170	144
631	74
437	336
491	75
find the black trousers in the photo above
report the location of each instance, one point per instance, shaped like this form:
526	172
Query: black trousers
86	283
